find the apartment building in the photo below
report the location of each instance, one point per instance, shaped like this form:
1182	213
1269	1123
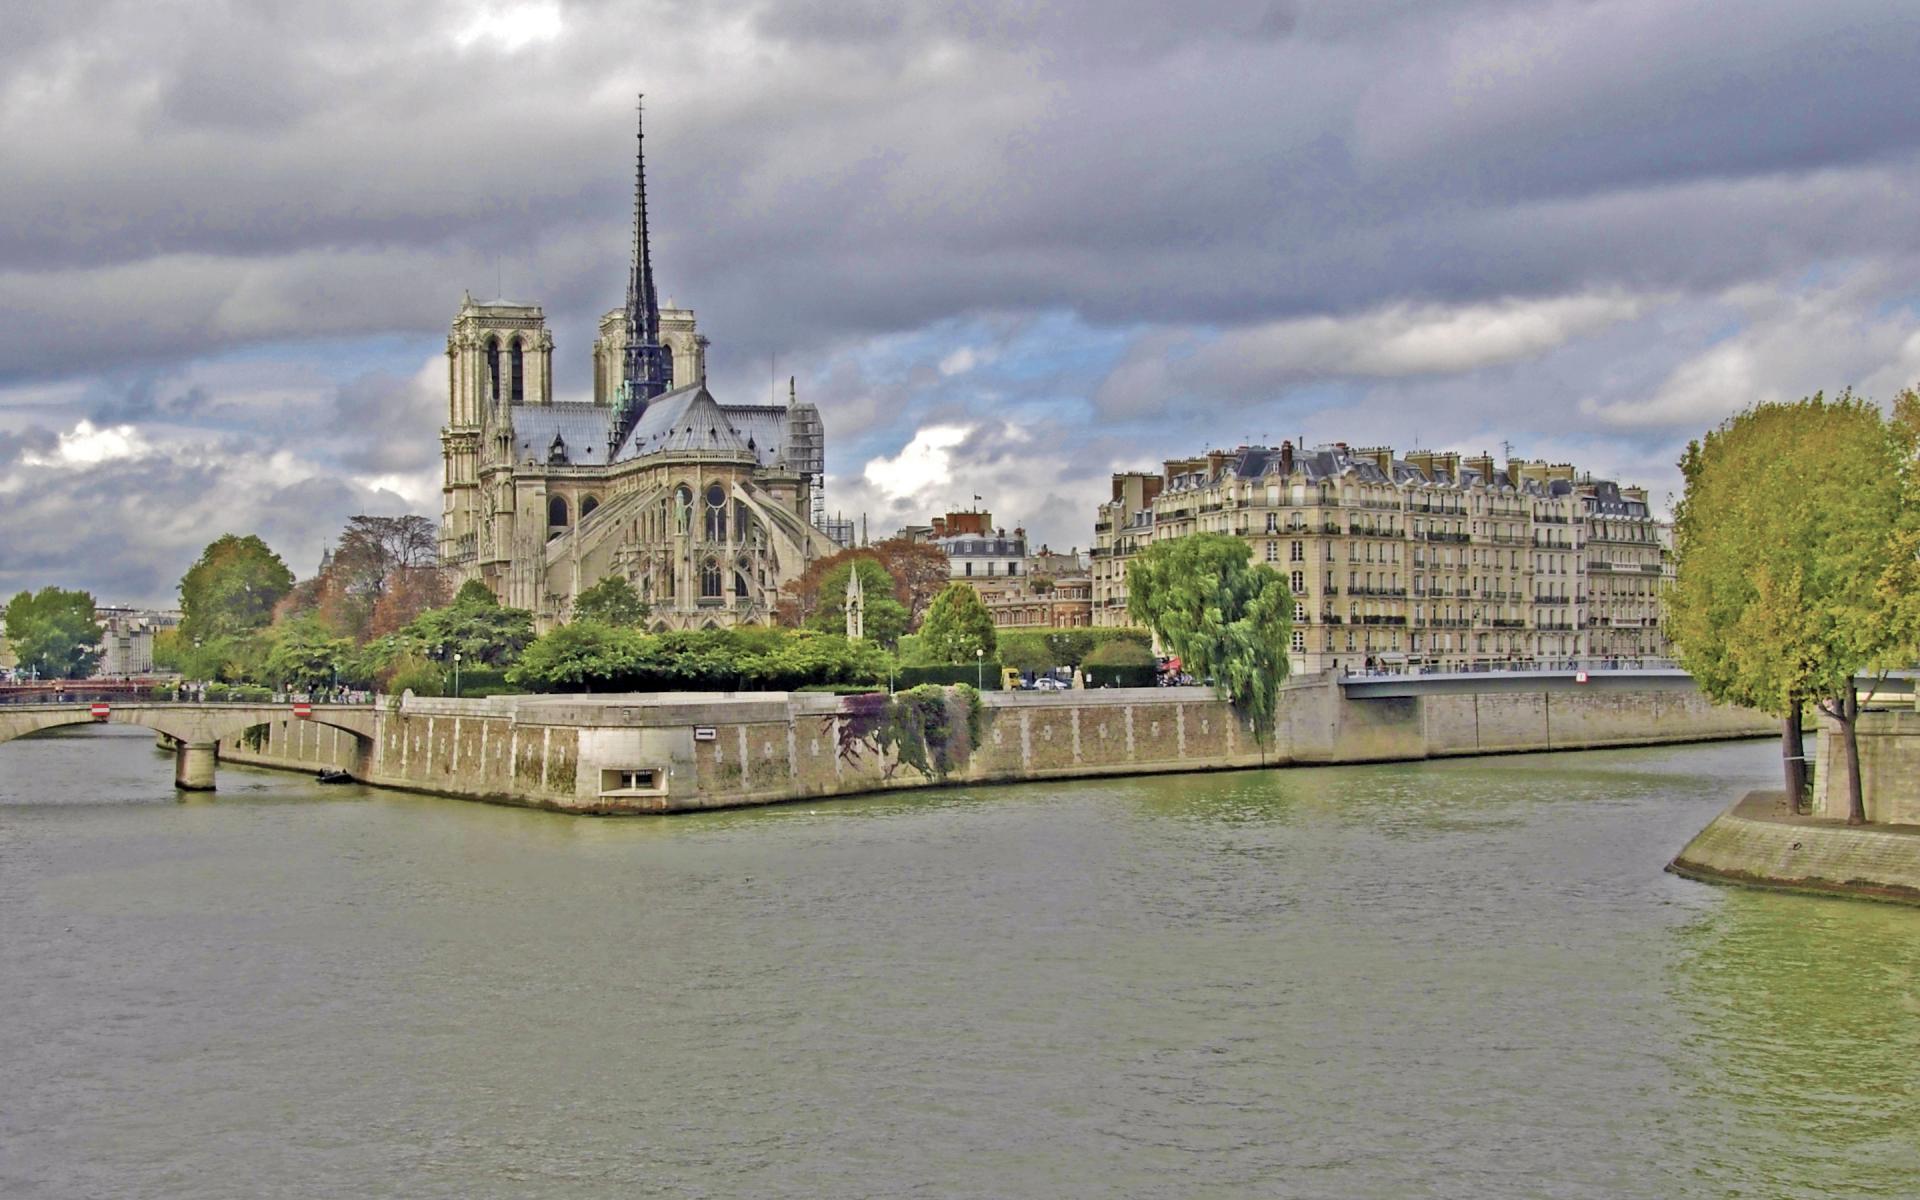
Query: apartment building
1431	560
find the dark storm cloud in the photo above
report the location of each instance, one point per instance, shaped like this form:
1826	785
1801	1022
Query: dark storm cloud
270	171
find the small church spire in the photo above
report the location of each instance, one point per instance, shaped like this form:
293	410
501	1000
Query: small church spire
856	606
648	367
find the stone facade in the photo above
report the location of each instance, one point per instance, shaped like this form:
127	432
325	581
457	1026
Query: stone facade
1426	560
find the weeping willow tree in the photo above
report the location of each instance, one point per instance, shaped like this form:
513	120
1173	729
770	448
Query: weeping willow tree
1225	616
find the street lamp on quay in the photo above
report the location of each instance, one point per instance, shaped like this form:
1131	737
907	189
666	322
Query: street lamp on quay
979	668
456	674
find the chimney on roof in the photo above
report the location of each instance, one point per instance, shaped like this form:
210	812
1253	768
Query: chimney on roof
1422	461
1482	463
1286	458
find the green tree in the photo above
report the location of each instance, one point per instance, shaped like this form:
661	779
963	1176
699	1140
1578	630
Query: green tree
475	592
583	656
612	601
958	628
806	657
53	633
475	626
1225	616
1786	542
231	588
886	617
307	657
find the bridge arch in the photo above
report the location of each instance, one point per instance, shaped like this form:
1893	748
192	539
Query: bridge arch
195	729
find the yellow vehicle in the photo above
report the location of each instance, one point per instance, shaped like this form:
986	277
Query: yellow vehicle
1009	678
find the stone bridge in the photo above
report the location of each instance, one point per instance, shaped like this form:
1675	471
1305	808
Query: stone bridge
195	729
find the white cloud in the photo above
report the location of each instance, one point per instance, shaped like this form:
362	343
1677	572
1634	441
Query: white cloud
1391	342
1789	343
87	446
1404	339
922	466
510	27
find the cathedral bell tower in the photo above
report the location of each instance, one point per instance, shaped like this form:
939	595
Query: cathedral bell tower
499	354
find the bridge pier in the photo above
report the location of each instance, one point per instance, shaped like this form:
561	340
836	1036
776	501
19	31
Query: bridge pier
193	766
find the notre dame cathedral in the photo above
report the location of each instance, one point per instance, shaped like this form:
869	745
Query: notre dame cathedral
706	508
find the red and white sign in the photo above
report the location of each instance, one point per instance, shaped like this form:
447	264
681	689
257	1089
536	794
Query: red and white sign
1580	677
303	710
100	709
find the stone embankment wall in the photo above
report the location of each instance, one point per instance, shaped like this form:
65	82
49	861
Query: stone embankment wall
448	747
1889	768
1757	842
676	752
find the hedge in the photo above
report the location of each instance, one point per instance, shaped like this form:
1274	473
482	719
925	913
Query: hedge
985	675
1122	676
1040	649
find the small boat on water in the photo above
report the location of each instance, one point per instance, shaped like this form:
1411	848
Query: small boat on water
335	776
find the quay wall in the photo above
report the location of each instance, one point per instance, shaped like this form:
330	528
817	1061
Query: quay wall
683	751
1758	842
1889	768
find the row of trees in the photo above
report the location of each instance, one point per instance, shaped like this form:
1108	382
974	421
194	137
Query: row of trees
1797	563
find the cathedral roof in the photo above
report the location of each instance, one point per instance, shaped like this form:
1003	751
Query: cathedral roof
581	428
764	426
685	420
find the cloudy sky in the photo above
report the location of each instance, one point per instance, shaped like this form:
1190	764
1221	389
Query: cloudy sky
1008	247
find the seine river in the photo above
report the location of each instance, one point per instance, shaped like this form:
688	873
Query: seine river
1461	979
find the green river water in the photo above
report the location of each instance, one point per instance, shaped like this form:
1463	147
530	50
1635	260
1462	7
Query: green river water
1458	979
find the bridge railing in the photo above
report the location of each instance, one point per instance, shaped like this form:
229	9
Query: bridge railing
1509	666
87	691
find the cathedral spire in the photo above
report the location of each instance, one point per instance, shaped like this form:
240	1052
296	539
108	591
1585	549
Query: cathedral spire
648	367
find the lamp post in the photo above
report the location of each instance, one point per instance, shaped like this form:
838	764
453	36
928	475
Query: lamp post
456	674
979	668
